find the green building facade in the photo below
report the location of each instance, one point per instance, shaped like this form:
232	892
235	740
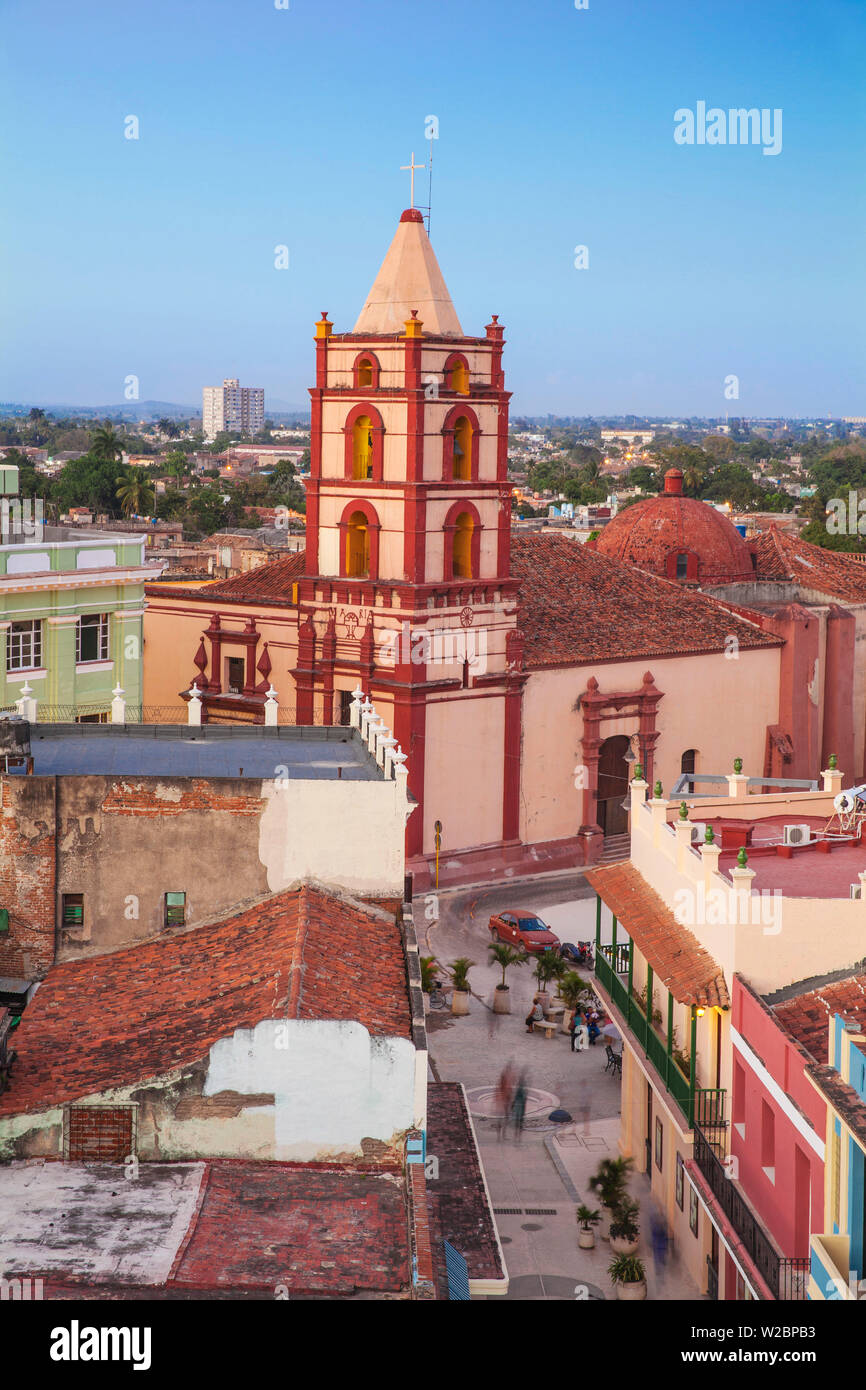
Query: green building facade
71	610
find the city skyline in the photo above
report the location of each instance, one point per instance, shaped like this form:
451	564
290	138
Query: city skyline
700	265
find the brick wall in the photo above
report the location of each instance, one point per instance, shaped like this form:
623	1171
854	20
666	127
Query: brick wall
27	874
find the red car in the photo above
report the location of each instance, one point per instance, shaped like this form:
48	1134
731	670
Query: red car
525	930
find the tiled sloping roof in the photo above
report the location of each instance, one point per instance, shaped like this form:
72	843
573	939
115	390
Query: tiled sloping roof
120	1018
675	954
578	606
789	558
807	1016
843	1098
270	581
457	1194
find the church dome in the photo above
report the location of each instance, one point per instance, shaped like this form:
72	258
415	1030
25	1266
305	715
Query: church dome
678	538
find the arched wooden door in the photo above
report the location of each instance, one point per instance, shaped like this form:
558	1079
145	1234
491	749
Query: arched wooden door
613	785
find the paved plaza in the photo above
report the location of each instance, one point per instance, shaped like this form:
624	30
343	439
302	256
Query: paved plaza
536	1178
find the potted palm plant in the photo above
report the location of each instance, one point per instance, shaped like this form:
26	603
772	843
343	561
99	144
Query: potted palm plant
629	1275
586	1219
504	956
459	972
548	967
624	1228
609	1182
572	987
429	966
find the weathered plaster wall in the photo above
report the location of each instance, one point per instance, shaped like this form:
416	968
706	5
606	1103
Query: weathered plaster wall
27	874
124	842
296	1089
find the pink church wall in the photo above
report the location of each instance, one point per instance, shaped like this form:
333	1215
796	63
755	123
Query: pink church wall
717	705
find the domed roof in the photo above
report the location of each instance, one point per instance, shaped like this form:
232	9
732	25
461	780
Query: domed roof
679	538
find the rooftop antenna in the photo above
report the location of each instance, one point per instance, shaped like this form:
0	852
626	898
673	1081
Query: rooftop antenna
430	188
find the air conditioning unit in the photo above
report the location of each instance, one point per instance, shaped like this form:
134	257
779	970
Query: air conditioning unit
797	834
854	890
699	830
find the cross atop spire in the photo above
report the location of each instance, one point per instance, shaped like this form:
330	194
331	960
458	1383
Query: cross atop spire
411	167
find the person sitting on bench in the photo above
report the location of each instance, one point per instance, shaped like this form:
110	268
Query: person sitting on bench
535	1015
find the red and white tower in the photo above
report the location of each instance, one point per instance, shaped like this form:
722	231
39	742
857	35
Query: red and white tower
407	585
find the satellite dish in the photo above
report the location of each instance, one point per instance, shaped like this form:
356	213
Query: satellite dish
844	803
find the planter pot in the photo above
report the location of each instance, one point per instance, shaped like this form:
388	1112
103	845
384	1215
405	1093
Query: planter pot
460	1001
543	998
586	1240
502	1000
623	1247
566	1020
631	1293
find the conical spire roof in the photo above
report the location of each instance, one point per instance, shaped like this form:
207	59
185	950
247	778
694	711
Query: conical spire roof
409	278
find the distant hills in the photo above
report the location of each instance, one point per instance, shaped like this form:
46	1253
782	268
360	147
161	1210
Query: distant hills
141	410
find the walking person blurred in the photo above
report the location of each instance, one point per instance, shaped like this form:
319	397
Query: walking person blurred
518	1105
505	1097
659	1238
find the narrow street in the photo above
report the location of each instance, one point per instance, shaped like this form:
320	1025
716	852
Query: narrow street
536	1179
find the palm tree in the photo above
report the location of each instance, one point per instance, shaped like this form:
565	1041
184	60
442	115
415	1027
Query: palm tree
571	987
549	967
505	956
134	492
693	479
105	444
167	427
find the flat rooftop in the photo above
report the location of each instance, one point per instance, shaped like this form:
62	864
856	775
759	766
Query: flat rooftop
207	1229
214	750
810	872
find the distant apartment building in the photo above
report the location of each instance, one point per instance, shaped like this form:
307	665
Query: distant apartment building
232	407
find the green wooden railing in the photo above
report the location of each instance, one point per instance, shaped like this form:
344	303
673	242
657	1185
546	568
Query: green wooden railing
681	1087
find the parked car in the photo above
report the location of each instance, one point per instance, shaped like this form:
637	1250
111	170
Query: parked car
525	930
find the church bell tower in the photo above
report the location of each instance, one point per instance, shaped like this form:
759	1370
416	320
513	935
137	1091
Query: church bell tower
407	585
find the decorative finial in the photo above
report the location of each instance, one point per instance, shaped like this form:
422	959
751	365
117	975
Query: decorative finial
709	837
742	858
738	766
684	811
658	793
832	763
638	772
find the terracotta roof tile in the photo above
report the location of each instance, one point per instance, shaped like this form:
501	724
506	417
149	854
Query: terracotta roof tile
843	1098
329	1231
788	558
807	1016
271	583
116	1019
458	1194
645	534
675	954
577	605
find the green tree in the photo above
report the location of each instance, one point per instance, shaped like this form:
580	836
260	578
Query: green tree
106	445
207	510
176	463
87	482
135	492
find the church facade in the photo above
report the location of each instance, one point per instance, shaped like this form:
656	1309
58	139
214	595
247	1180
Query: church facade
520	675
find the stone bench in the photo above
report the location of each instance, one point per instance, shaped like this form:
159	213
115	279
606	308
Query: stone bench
546	1026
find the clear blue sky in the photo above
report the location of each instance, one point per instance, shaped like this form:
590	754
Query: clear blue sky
261	127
